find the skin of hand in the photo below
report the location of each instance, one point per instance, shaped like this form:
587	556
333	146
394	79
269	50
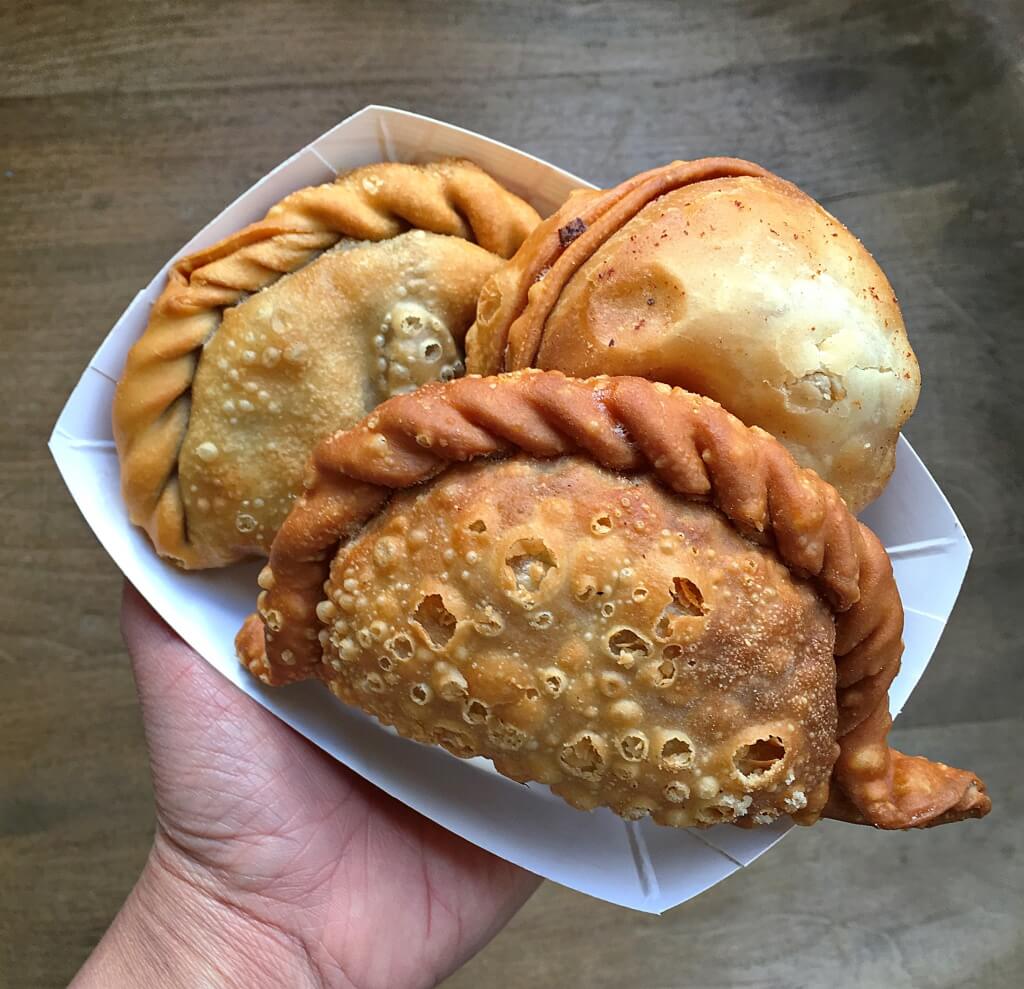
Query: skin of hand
274	865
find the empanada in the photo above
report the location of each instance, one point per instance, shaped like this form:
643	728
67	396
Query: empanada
721	278
610	586
343	295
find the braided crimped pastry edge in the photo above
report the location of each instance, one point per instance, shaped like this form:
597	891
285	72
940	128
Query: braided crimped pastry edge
153	397
696	449
517	300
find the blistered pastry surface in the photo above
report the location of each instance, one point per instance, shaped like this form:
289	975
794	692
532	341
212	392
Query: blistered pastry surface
698	452
589	631
316	350
153	402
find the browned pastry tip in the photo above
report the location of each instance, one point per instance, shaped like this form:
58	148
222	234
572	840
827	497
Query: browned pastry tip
632	426
893	791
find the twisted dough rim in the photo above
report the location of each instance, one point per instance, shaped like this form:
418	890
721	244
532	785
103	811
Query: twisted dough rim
153	397
697	450
509	327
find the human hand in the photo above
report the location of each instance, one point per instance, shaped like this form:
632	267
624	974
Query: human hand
275	865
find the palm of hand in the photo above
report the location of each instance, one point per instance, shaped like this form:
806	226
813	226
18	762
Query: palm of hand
270	825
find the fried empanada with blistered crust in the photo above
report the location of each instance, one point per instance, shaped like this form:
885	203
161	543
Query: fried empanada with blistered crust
343	295
609	586
589	630
317	348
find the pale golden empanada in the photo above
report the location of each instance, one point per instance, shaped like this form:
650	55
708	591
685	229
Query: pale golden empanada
612	587
240	370
719	277
321	346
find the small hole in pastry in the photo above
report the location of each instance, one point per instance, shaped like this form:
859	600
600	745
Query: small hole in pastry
490	624
531	693
584	755
432	351
477	525
686	602
437	622
676	752
450	683
542	620
451	371
663	672
676	792
530	562
729	807
475	712
627	646
401	646
757	759
601	526
245	522
554	680
420	693
633	746
585	588
716	814
688	596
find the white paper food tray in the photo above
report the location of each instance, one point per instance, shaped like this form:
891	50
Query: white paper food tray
637	865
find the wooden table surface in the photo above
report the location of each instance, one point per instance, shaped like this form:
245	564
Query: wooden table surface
125	125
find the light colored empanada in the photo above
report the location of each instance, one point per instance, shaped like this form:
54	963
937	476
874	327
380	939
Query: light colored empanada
718	277
610	586
344	295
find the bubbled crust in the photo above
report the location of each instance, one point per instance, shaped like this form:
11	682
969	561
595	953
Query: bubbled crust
739	287
302	358
694	448
587	629
153	399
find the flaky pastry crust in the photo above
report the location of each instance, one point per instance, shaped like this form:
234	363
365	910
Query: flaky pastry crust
591	630
721	278
153	400
696	450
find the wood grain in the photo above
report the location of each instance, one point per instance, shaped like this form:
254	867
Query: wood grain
125	125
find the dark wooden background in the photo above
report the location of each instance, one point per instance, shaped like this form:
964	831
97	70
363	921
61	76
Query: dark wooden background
125	125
